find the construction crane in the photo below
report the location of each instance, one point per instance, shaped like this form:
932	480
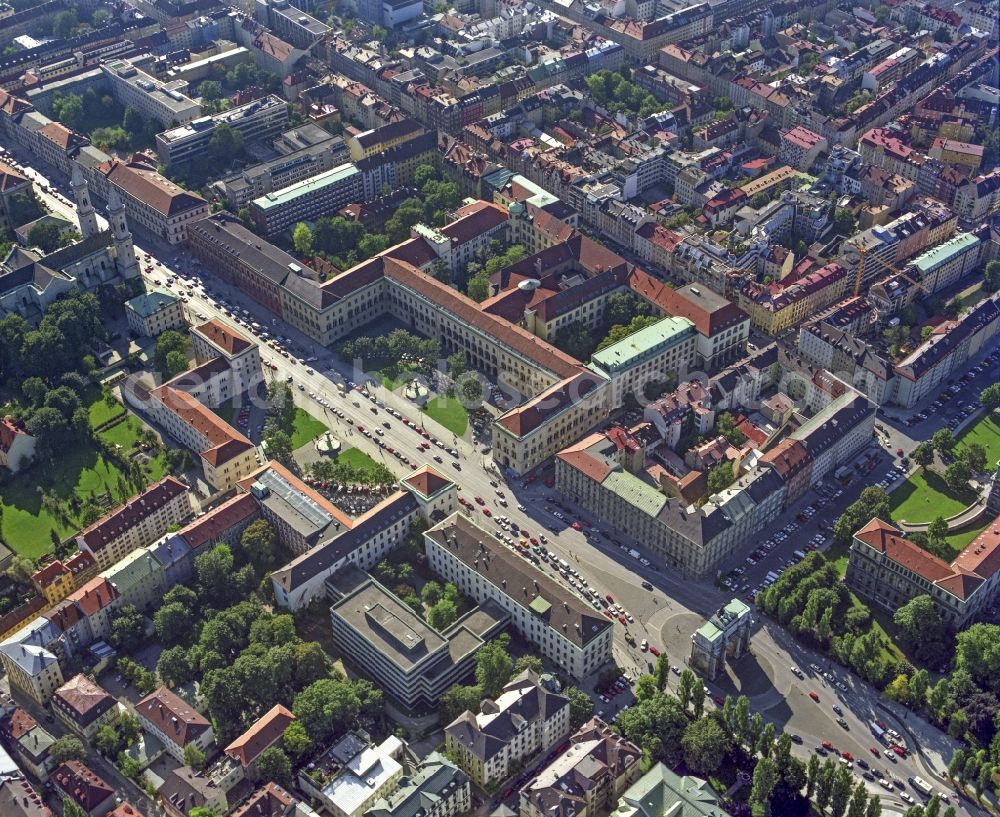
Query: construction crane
862	253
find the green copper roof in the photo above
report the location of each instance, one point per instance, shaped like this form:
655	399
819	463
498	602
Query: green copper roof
928	261
644	344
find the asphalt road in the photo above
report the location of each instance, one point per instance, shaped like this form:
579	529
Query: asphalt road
666	616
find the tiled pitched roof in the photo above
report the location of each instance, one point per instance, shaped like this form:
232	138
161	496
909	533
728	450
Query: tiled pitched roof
10	430
19	799
211	526
173	716
81	785
224	441
133	512
427	481
227	339
152	189
265	731
82	699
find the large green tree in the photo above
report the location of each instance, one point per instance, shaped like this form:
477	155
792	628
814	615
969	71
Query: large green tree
494	666
873	502
657	726
705	745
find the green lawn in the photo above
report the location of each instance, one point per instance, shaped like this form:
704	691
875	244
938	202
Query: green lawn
925	496
125	434
838	554
101	412
986	432
306	428
357	459
449	413
27	525
80	472
958	541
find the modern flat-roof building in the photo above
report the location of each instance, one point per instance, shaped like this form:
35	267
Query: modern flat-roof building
355	774
525	718
414	663
307	199
888	569
261	119
658	353
566	630
154	312
275	174
149	96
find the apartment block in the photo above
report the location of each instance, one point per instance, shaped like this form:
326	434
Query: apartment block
690	539
587	779
140	521
174	722
308	199
563	628
83	706
438	788
525	718
213	340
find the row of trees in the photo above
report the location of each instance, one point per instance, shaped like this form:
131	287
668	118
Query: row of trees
389	349
337	472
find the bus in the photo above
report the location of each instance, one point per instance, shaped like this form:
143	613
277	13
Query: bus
921	786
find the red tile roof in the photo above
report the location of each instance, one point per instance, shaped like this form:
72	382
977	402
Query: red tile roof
265	732
18	724
173	716
10	430
133	512
152	189
230	341
81	785
982	555
224	441
94	596
527	417
427	481
44	576
211	526
888	540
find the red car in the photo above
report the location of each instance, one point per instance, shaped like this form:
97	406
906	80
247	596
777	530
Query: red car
533	540
874	751
576	526
609	614
622	619
487	512
480	500
847	756
361	429
814	696
654	650
899	750
610	598
828	746
718	700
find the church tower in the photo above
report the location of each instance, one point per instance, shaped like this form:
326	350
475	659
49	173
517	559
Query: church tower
85	212
125	260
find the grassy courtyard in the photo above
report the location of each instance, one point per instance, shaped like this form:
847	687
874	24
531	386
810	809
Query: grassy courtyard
986	432
305	428
357	458
925	496
449	413
46	498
